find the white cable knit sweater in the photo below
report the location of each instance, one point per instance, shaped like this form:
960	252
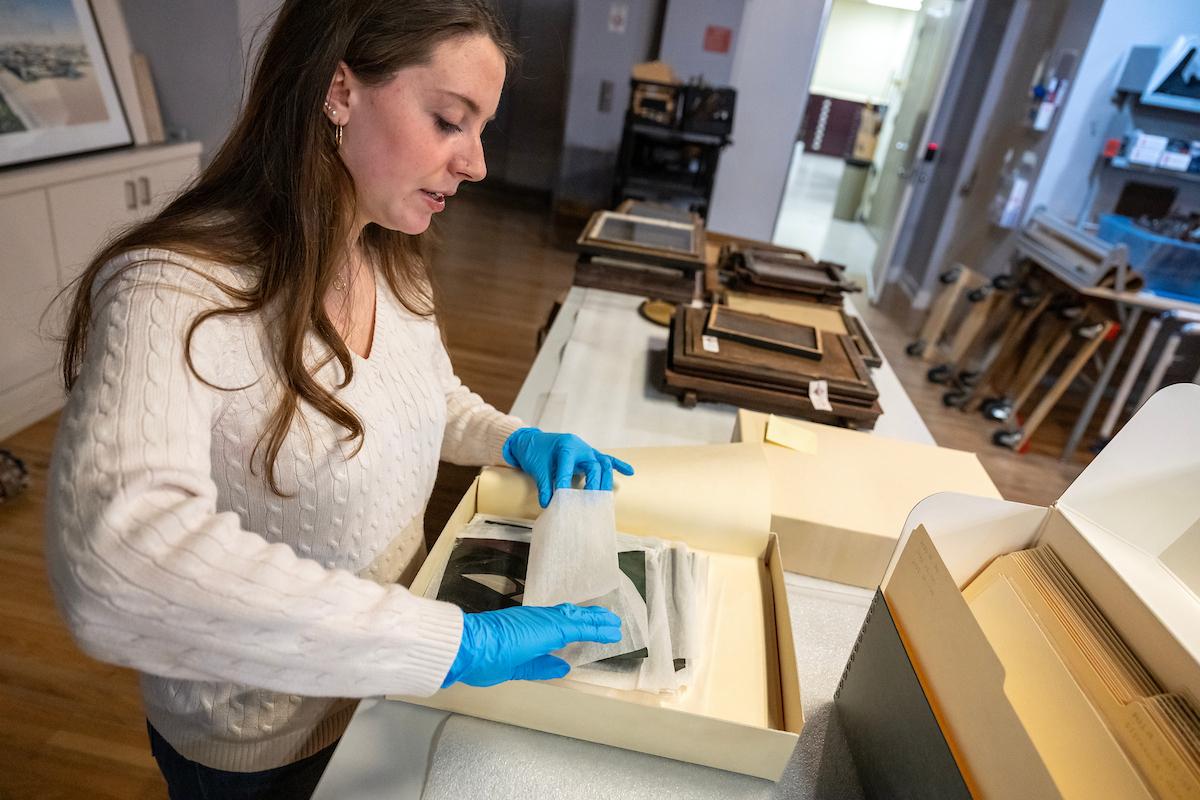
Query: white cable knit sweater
247	613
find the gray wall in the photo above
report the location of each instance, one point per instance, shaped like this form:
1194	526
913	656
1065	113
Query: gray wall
772	67
592	136
683	38
195	52
1079	135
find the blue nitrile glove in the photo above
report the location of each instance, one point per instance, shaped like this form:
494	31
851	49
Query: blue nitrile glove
553	459
512	644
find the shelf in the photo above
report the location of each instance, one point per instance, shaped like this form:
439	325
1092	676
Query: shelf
1191	177
675	135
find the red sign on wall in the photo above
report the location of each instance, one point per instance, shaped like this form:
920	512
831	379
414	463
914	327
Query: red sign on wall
717	39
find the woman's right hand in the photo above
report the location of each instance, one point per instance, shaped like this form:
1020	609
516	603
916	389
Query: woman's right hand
514	643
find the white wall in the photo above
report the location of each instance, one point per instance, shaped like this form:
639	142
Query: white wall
683	38
862	50
1079	135
772	67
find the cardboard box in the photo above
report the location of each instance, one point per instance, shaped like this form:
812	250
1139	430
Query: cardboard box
925	700
747	716
840	497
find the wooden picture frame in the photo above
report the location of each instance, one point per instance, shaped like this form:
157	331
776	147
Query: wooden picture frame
763	331
823	316
688	256
841	367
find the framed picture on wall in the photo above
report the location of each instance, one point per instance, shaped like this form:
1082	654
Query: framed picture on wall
57	95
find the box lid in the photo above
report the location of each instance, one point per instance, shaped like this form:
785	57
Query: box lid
1138	506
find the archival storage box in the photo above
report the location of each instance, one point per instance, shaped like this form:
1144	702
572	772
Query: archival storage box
839	497
925	701
744	713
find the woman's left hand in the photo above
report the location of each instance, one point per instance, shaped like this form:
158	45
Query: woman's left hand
553	459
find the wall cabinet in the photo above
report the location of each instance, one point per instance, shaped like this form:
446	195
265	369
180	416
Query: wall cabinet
53	218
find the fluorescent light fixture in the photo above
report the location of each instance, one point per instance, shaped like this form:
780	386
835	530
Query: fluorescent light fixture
905	5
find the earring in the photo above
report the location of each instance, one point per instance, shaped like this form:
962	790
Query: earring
337	129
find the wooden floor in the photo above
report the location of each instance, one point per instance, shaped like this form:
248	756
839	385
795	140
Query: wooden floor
71	727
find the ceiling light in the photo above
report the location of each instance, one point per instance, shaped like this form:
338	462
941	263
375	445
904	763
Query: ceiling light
905	5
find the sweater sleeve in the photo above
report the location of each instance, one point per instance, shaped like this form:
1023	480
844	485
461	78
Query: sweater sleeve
149	575
475	431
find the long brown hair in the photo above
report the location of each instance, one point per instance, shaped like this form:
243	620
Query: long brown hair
277	199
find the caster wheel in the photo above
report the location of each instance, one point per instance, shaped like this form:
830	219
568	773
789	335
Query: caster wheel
1004	282
939	374
1009	439
1027	301
689	400
954	399
915	348
997	410
968	378
1070	312
975	295
950	275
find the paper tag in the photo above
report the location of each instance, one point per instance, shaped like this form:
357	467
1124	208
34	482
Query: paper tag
710	344
818	395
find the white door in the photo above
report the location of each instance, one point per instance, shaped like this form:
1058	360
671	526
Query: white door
938	33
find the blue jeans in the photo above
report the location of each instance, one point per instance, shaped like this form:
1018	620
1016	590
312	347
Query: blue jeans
188	780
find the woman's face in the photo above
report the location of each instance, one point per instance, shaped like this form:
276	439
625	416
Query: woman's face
409	142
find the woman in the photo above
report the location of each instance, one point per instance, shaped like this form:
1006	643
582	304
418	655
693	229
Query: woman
258	399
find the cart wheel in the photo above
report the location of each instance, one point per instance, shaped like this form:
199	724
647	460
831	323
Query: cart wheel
968	377
997	410
915	348
1009	439
1070	312
1004	282
979	293
950	275
689	399
1027	300
939	374
955	399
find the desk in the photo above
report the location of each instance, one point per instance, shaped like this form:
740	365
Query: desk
590	378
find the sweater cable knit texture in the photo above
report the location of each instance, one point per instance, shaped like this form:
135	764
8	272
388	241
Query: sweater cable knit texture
254	619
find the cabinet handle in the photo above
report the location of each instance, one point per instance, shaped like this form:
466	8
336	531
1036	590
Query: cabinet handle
144	185
130	196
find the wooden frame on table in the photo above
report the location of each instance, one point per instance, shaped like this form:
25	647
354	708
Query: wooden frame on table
594	241
793	272
822	316
764	331
842	368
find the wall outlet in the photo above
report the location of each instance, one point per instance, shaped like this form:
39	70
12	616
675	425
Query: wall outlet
606	97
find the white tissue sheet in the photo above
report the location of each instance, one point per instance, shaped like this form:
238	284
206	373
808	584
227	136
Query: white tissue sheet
573	553
573	558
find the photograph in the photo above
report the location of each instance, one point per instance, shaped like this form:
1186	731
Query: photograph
57	95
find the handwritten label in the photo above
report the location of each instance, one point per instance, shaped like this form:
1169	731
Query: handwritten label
710	344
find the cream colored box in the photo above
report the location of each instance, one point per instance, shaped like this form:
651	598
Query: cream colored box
745	713
839	497
1128	529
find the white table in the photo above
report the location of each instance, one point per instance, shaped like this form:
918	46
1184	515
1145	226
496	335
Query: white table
590	378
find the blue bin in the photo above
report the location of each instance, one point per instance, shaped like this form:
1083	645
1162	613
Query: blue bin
1170	267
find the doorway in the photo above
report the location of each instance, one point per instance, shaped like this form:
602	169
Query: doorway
879	72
